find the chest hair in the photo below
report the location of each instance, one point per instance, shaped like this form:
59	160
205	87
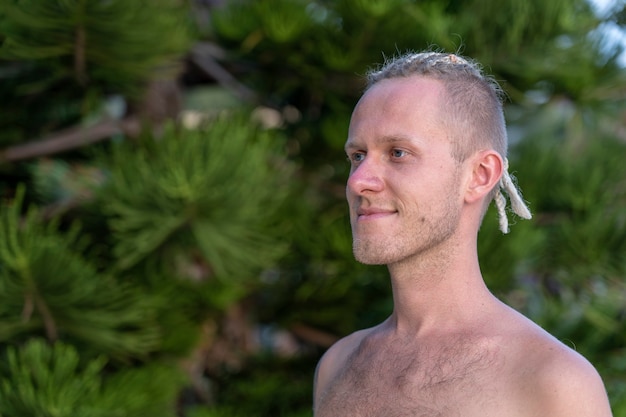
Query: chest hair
386	379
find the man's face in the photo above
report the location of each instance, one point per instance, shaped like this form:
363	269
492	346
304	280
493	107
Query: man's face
404	186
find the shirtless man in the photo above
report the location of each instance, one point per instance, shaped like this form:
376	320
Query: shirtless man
427	147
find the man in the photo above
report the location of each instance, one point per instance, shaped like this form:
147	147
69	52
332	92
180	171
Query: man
427	146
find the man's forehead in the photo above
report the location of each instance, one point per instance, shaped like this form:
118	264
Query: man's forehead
401	95
396	110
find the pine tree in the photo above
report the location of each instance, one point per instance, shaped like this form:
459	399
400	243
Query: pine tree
133	270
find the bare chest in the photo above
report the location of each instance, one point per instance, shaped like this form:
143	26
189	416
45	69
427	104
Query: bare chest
443	381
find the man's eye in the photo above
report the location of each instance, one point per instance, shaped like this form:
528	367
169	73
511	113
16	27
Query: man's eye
398	153
356	157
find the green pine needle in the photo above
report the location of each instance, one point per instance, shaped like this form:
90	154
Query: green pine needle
47	288
218	190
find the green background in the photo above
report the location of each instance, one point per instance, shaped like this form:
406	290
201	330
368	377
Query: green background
173	230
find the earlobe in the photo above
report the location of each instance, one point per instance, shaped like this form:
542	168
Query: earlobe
487	169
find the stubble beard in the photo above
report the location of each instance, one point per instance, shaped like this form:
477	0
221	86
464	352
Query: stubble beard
419	238
421	235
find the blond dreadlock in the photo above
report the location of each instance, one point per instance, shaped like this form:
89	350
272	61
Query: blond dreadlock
517	203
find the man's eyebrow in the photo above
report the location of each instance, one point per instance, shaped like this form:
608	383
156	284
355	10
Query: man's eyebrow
352	144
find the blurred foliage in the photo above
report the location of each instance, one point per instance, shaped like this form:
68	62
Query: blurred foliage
267	387
139	274
60	59
52	380
49	288
180	192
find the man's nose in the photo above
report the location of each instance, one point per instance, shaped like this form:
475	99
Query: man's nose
366	177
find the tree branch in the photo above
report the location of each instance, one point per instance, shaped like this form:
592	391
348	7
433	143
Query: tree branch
312	335
48	319
205	55
72	138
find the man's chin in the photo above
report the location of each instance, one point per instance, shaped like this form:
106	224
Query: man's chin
370	257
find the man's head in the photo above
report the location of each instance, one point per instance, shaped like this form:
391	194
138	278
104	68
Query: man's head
473	113
405	189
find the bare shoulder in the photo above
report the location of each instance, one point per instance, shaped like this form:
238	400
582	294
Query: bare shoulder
333	361
555	380
568	384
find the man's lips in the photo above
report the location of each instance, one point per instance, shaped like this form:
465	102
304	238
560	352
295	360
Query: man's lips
373	213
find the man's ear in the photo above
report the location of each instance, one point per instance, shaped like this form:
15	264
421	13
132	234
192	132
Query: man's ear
487	168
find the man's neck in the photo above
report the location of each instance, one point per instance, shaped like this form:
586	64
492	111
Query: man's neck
437	292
